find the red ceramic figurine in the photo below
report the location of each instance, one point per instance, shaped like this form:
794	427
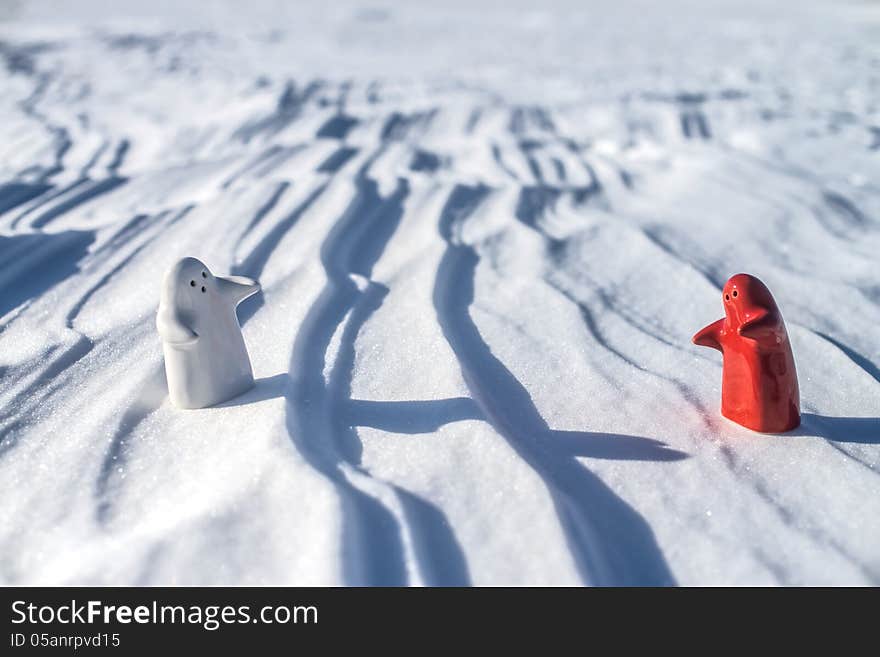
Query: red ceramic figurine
759	387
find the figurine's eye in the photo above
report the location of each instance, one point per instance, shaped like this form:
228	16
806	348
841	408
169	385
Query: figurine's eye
727	297
192	283
204	275
203	288
735	293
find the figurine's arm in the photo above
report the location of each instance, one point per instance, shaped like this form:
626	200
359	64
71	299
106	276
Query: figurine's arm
710	336
172	329
760	325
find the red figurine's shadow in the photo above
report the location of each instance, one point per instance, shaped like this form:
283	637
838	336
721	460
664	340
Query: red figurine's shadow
857	430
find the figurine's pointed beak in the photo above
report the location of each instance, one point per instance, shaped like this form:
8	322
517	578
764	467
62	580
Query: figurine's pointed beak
237	288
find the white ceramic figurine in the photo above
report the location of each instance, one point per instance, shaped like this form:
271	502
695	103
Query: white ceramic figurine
206	361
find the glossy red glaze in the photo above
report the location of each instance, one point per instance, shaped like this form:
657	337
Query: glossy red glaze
759	387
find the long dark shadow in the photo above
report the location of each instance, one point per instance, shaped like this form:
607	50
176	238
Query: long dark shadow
440	556
612	544
437	550
339	382
372	547
35	262
13	194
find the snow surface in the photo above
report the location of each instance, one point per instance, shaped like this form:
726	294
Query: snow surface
485	234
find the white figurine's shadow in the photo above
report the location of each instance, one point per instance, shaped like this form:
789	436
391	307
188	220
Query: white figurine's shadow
267	387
